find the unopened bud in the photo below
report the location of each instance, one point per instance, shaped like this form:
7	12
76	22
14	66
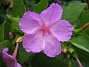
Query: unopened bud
64	50
11	36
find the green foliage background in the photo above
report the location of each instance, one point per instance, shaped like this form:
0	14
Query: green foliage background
76	12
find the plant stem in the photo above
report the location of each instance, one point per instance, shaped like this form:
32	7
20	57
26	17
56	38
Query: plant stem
15	51
80	64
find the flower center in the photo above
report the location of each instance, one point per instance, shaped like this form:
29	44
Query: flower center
45	30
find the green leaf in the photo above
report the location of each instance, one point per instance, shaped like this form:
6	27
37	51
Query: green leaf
3	44
74	2
84	18
15	24
75	55
18	8
84	59
72	12
45	61
87	31
7	29
81	41
2	31
42	5
68	55
71	50
23	56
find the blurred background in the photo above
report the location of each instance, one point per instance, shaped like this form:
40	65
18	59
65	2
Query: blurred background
7	5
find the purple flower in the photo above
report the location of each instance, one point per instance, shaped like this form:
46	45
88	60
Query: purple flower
45	31
10	60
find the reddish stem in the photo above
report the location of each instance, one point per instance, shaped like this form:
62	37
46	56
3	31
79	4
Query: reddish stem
80	64
15	51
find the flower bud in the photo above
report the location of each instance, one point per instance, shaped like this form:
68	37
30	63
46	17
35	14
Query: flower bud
64	50
20	39
11	36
